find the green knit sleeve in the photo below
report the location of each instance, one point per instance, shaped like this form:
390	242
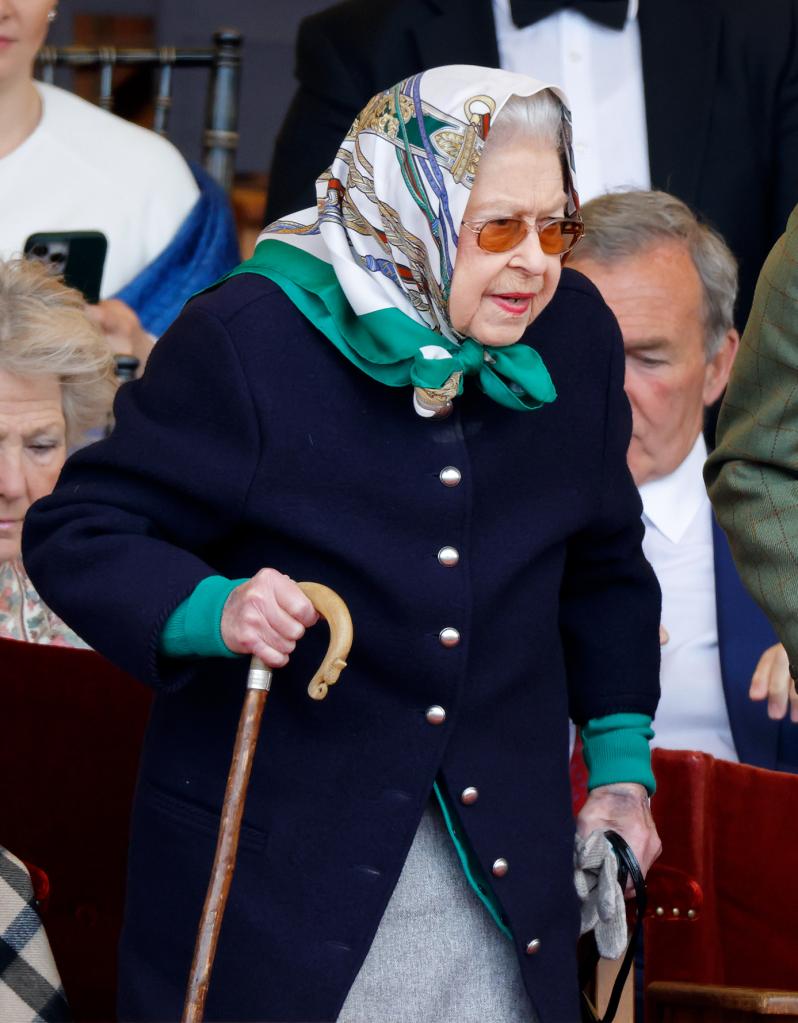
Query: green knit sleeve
194	627
616	749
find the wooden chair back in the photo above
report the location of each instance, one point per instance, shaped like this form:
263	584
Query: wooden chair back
222	58
723	898
697	1003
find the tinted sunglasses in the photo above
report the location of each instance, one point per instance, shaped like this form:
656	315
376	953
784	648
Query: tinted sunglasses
558	235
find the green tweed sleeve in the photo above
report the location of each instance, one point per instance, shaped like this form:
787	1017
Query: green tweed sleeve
752	476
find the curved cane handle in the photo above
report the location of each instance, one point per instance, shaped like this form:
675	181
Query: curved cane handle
332	608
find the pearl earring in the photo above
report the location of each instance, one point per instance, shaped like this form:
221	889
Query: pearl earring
52	15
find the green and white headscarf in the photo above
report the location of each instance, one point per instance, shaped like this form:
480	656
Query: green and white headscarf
371	265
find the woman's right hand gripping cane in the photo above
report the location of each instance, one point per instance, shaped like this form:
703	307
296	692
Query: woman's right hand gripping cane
266	616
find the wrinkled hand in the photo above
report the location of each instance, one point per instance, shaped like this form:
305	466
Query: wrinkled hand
266	616
771	681
122	329
623	808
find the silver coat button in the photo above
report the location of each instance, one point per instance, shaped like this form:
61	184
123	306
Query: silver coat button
469	795
449	476
436	715
448	556
533	946
500	867
449	636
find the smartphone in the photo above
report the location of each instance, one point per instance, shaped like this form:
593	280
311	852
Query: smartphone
78	256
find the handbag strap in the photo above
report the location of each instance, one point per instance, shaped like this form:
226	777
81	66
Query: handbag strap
627	867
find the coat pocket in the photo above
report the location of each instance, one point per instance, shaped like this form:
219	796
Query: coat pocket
195	816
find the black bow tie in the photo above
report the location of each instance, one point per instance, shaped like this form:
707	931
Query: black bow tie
611	13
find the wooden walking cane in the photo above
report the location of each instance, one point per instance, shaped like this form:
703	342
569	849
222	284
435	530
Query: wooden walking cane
334	610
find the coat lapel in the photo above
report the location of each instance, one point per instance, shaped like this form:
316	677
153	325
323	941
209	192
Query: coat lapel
679	42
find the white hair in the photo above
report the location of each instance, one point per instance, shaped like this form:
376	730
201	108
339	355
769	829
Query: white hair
538	119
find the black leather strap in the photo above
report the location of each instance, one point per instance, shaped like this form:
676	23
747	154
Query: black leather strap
627	867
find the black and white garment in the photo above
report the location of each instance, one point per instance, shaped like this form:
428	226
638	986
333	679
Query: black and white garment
30	988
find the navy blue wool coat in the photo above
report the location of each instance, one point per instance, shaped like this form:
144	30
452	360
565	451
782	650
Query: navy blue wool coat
252	442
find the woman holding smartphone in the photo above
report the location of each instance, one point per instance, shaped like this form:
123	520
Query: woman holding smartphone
67	165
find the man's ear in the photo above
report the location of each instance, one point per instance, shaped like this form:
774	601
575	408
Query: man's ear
716	373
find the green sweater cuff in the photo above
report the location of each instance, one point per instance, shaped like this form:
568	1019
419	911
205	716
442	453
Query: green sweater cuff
616	749
194	628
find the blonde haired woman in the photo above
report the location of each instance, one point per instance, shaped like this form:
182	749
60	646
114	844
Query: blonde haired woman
56	381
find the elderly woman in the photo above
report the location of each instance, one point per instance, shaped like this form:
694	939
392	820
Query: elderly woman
402	396
56	381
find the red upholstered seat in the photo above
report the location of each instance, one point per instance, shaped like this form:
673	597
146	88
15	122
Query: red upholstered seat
578	770
723	898
72	726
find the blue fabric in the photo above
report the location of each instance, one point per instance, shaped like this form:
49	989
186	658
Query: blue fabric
204	248
251	442
744	633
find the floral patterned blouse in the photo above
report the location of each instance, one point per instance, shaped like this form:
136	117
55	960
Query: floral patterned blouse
23	614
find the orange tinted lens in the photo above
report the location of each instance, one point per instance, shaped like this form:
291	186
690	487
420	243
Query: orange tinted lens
502	235
552	239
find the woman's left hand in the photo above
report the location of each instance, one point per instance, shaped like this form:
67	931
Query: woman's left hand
122	329
623	807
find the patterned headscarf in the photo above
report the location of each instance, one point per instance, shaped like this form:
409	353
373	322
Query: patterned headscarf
371	265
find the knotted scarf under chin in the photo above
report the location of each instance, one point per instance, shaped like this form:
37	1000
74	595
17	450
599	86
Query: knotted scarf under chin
390	346
514	376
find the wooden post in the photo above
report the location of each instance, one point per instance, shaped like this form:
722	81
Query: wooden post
606	972
220	141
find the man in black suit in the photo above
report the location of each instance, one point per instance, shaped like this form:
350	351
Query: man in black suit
720	81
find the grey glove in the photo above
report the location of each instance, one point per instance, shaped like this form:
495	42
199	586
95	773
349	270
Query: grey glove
603	905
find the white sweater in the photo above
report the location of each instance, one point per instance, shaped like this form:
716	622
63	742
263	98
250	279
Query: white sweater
84	169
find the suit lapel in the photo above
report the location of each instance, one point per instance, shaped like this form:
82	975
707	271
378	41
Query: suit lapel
743	636
679	42
457	32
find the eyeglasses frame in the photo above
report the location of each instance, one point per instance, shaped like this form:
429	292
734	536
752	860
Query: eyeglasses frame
539	225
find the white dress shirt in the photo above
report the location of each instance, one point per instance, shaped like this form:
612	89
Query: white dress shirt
678	543
600	70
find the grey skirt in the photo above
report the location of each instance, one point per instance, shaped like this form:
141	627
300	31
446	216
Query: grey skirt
437	954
